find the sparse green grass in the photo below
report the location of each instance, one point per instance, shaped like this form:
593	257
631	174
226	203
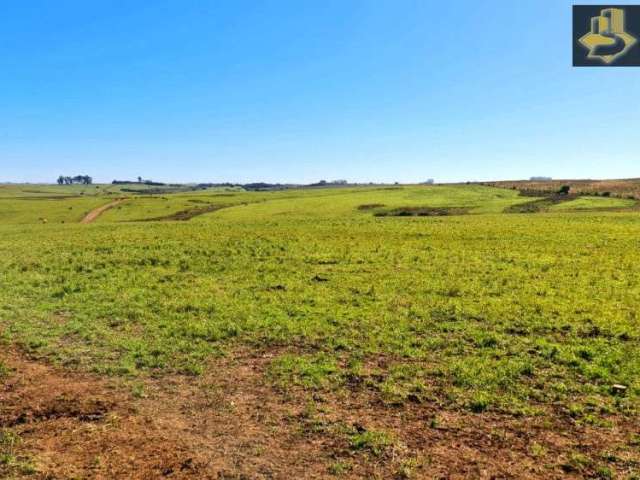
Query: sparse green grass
11	462
372	441
311	371
340	468
4	370
604	473
484	311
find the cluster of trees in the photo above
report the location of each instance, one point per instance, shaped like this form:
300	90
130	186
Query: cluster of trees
83	179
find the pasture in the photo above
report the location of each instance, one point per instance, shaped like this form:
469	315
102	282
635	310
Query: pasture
379	332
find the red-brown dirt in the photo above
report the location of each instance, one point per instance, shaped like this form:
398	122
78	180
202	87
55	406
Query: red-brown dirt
231	423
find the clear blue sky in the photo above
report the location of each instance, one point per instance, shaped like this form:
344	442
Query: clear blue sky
378	90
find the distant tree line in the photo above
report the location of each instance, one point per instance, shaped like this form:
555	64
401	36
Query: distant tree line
211	185
140	180
262	186
82	179
324	183
256	186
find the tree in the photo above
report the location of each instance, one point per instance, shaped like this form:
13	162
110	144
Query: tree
139	179
83	179
564	190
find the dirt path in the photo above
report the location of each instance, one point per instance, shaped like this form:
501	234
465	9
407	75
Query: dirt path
96	212
232	423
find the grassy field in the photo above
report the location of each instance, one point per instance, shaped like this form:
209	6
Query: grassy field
467	311
592	203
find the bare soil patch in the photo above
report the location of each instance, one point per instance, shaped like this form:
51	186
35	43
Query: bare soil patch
370	206
423	212
186	215
231	423
227	425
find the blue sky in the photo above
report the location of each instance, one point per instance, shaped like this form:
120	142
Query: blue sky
296	91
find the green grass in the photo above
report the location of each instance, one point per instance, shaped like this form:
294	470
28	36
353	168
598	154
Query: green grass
484	311
69	203
44	191
50	210
157	206
35	190
589	203
29	204
343	203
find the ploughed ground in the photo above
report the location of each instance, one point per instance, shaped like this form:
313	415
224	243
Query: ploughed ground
233	423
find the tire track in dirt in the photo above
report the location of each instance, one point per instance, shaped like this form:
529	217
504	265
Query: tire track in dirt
96	212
